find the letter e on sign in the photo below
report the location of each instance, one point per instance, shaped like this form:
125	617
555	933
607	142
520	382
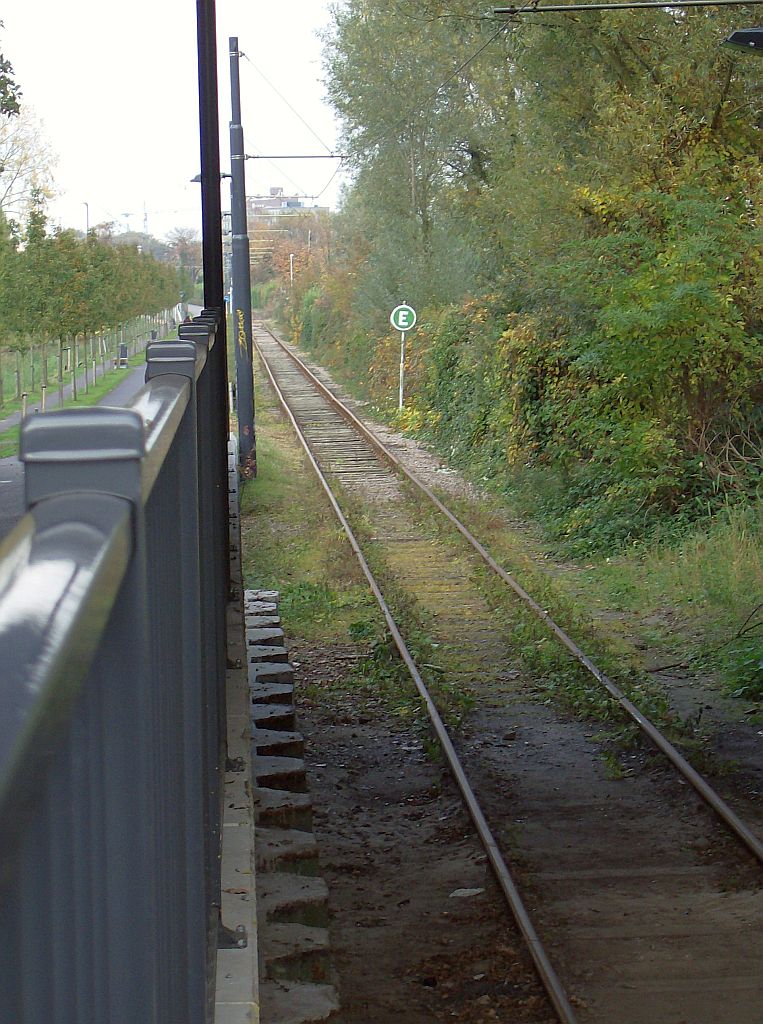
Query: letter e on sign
403	318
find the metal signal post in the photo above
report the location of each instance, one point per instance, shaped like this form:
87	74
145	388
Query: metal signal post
241	295
403	319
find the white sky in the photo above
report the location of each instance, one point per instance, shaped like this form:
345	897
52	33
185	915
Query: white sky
115	86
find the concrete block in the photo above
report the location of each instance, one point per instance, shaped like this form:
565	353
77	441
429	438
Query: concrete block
261	595
275	808
297	1003
273	716
287	773
275	672
298	899
271	635
277	742
270	693
267	652
262	621
289	850
295	952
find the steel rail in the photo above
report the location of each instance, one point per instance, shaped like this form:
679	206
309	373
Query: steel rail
700	785
548	975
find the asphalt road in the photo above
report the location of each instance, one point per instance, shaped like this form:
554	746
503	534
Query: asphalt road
12	472
11	494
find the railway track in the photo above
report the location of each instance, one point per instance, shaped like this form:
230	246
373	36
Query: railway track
646	929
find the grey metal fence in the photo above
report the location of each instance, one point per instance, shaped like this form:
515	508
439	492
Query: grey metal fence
112	710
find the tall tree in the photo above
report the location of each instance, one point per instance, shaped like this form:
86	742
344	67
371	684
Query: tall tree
9	91
596	178
25	163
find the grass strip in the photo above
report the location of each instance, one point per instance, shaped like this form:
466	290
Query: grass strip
9	439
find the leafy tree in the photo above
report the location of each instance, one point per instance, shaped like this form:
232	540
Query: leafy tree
61	286
9	91
594	182
25	163
185	246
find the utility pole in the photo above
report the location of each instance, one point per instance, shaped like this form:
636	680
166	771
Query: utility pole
241	295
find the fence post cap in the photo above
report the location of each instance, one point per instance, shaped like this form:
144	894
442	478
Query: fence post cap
69	450
179	357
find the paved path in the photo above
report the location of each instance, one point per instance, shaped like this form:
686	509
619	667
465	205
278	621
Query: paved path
11	494
12	471
52	400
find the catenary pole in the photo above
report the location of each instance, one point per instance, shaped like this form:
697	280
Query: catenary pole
211	211
241	295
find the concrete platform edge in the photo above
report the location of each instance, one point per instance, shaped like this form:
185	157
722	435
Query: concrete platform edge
237	997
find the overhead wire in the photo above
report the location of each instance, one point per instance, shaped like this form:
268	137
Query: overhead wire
405	120
406	117
282	97
328	183
469	60
406	14
280	170
304	122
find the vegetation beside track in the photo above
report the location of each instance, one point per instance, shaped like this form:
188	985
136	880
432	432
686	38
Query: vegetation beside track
585	262
689	603
291	540
306	557
690	592
586	266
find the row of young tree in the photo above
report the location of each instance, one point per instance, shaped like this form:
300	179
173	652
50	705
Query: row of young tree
575	213
59	291
56	286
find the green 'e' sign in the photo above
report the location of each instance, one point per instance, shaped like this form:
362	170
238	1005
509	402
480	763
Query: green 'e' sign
403	318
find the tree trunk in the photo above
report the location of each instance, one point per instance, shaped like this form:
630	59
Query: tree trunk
60	372
75	360
84	360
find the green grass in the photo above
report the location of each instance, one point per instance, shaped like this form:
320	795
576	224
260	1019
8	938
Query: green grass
551	672
8	364
693	599
700	598
292	541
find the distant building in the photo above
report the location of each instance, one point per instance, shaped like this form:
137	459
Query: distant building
273	204
263	214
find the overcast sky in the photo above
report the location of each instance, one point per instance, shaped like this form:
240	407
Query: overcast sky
116	89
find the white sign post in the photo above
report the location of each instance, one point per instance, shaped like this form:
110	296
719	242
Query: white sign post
403	319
